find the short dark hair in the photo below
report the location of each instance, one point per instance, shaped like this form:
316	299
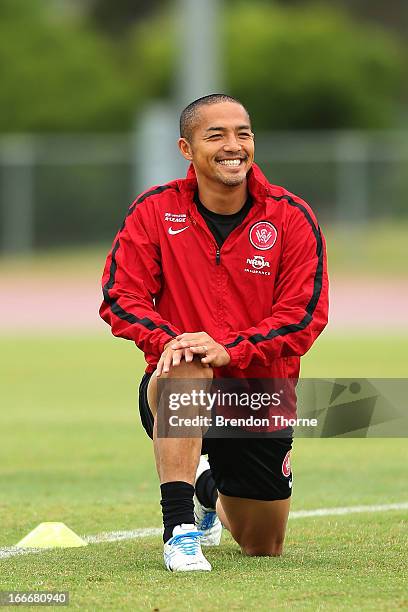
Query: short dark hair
188	117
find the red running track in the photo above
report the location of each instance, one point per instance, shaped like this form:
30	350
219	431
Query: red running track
51	305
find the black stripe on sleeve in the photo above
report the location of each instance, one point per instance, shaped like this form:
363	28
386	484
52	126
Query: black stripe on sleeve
114	306
317	287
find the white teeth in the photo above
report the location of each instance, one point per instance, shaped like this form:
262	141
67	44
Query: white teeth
230	162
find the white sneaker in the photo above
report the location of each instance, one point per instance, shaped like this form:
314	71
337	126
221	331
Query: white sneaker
182	553
206	519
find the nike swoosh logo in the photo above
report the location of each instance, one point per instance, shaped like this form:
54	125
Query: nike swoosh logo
173	232
290	484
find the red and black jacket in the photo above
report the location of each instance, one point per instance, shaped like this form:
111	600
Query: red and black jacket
263	294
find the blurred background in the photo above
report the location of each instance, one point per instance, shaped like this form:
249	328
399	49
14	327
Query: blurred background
90	97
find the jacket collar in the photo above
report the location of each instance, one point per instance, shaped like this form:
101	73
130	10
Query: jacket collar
258	184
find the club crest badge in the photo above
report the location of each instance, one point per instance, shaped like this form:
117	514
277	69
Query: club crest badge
263	235
286	469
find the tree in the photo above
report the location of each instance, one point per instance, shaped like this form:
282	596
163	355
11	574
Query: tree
302	68
58	75
295	68
390	15
117	17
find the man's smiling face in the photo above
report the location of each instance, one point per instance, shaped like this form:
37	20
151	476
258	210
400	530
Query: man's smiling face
222	143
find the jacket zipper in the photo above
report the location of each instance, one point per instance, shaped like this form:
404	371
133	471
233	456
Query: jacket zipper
236	229
217	248
217	251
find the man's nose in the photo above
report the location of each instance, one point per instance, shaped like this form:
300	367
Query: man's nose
232	144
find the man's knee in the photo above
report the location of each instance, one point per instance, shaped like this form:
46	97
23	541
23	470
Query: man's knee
191	369
271	545
267	549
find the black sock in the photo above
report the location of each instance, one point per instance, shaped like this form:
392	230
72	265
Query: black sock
177	505
206	490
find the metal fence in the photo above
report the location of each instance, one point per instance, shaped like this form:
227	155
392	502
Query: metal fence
70	190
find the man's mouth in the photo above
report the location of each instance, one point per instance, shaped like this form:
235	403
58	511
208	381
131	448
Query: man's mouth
232	163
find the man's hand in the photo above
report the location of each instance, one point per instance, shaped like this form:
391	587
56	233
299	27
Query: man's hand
172	357
200	343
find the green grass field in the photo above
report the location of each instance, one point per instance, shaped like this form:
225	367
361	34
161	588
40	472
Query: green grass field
371	250
72	450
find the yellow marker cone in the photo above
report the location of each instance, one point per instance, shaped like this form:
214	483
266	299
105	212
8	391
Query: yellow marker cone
51	535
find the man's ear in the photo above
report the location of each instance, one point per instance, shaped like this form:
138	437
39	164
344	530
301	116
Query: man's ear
185	149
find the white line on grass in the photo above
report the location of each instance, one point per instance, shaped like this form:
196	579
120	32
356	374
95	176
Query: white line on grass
115	536
348	510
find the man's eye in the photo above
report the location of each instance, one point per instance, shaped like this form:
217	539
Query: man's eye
244	135
214	136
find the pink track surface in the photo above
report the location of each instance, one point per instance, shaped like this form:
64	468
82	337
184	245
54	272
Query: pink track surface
55	305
